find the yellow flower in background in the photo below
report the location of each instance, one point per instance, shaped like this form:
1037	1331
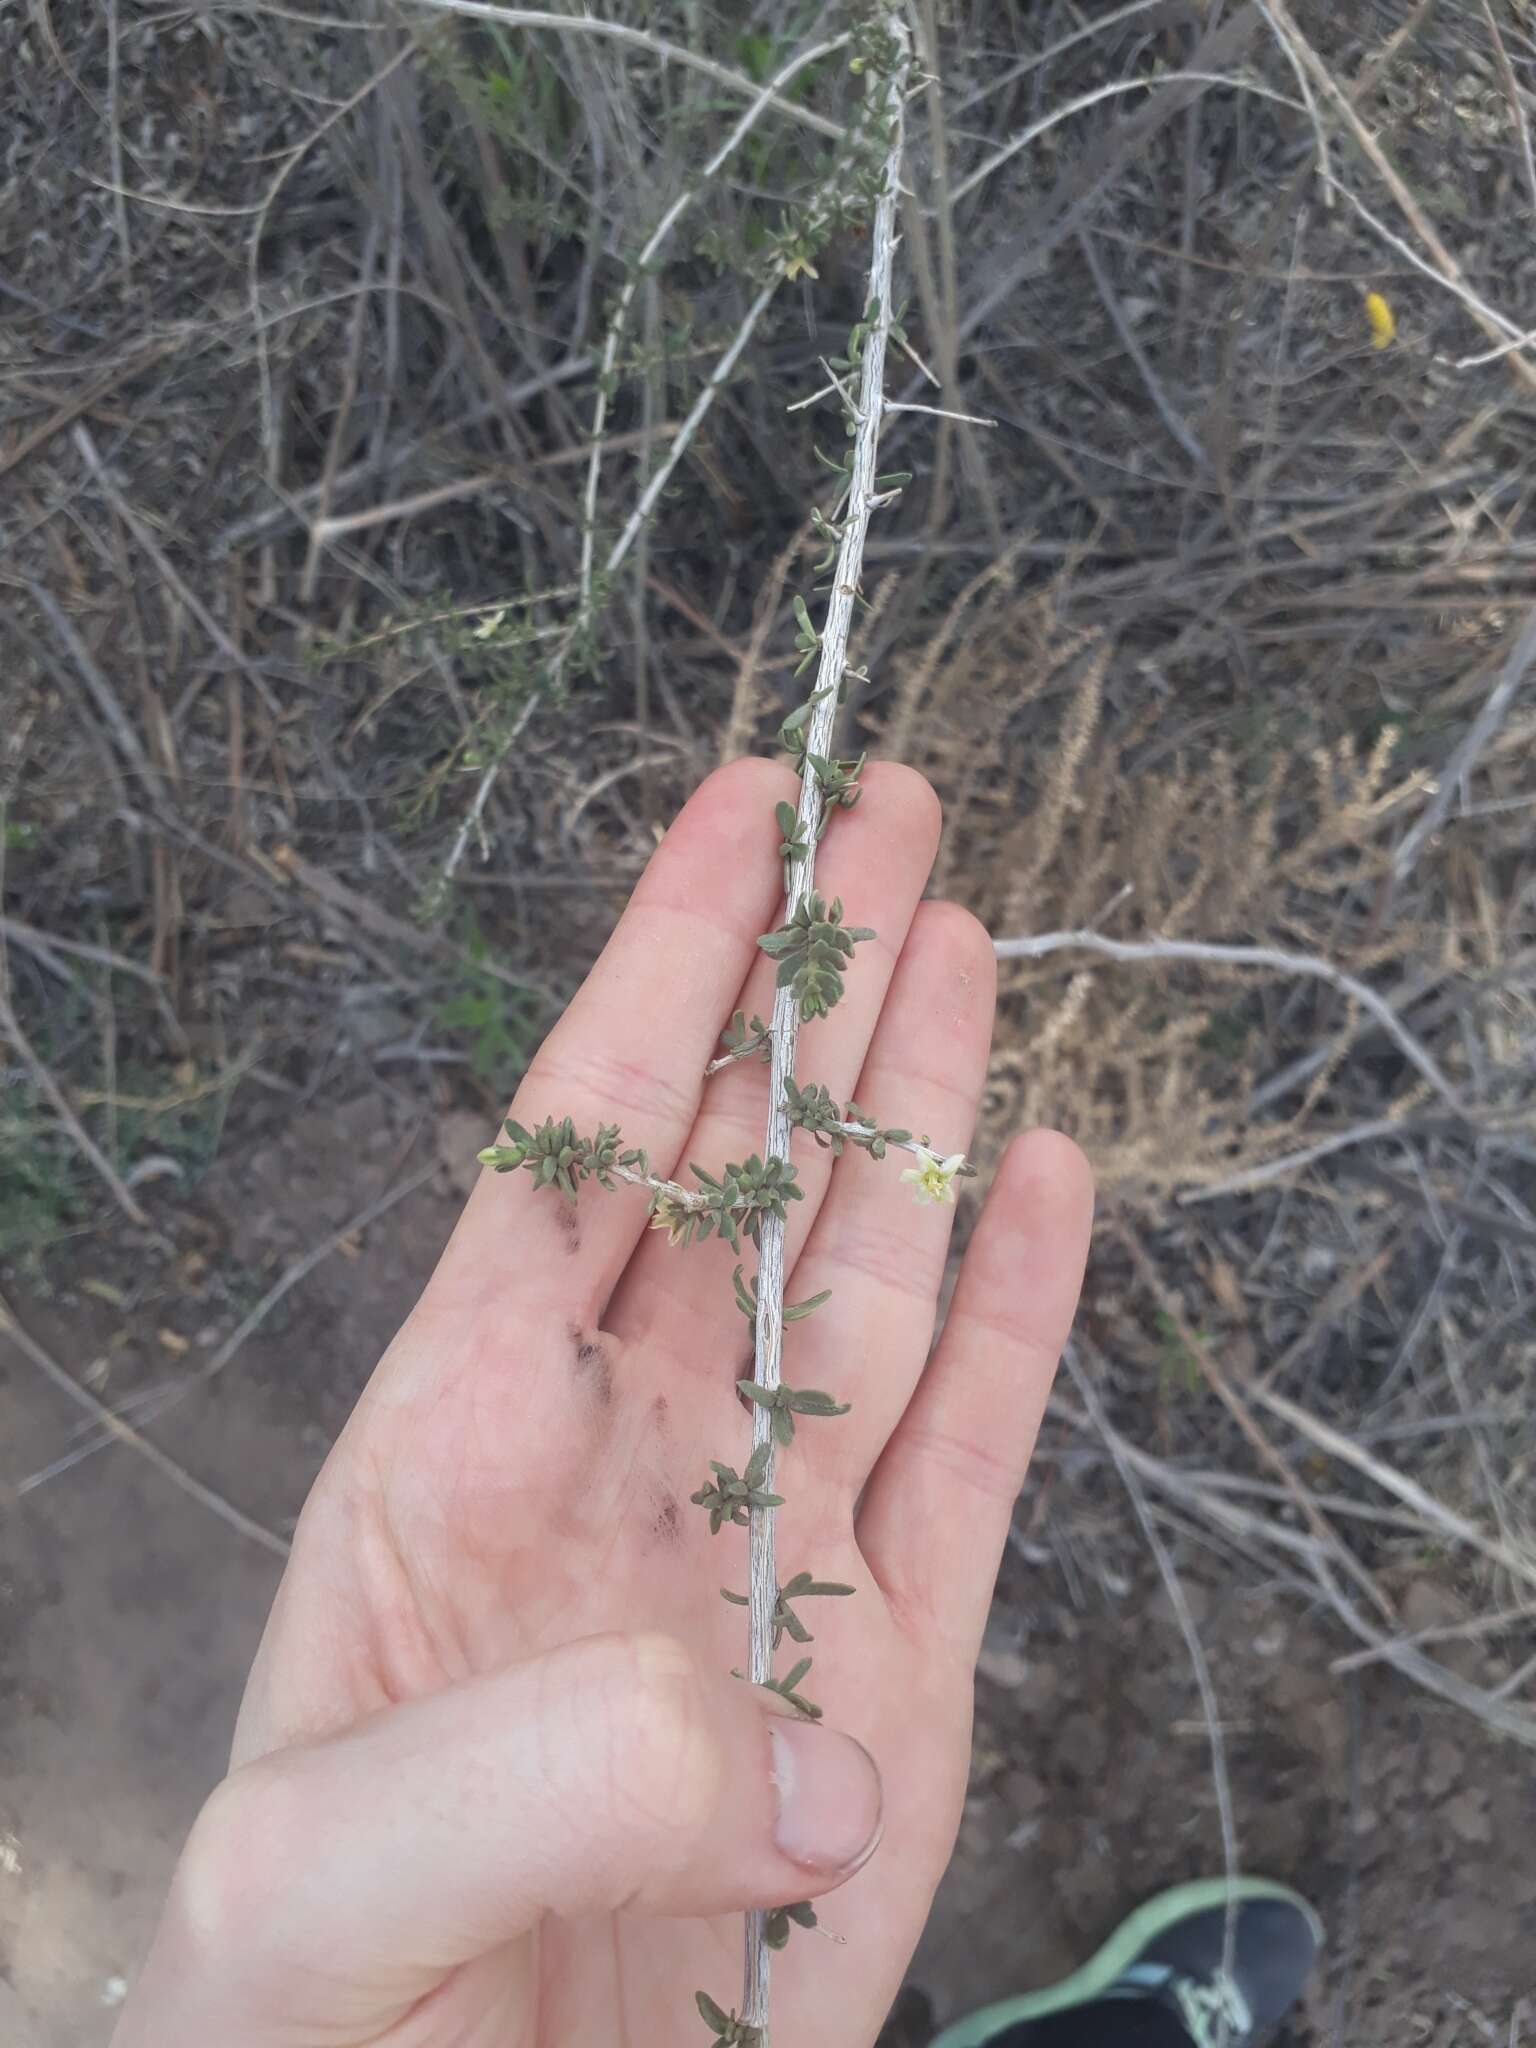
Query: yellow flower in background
1379	314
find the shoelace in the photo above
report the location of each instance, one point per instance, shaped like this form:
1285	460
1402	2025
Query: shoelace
1215	2011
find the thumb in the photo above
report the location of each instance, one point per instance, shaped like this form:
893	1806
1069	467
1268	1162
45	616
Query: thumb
613	1771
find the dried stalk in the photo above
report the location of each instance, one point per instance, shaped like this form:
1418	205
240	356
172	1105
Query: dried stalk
1272	957
1057	115
1178	1599
785	1026
470	824
1479	736
12	1033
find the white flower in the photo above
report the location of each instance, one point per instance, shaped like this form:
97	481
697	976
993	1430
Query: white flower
933	1178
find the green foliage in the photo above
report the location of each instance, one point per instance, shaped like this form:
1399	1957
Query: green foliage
788	1688
496	1025
39	1194
1178	1369
813	1109
792	733
522	103
187	1131
742	1039
729	2031
807	639
558	1156
794	847
794	1311
785	1620
1226	1034
777	1924
812	951
840	787
785	1403
839	779
730	1495
738	1200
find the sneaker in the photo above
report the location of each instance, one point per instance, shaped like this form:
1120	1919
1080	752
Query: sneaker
1169	1958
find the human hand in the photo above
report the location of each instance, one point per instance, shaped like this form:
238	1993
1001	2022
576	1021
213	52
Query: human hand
491	1781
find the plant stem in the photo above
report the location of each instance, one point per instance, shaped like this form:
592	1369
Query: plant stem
768	96
1271	957
684	1198
763	1584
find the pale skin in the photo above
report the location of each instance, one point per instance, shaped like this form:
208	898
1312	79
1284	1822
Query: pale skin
492	1781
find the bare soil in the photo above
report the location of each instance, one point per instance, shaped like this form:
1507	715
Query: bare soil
130	1615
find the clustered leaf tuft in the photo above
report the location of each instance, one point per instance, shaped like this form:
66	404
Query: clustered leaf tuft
736	1201
741	1039
785	1403
839	779
558	1156
813	1109
729	1495
812	950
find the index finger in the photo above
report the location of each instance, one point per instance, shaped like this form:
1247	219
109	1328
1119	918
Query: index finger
631	1050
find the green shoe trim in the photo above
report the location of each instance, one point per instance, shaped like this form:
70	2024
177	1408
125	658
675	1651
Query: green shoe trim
1116	1956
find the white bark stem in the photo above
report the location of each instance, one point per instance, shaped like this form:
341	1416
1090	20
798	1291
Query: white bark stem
1270	957
763	1584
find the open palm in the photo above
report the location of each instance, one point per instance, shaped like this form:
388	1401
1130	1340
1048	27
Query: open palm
516	1476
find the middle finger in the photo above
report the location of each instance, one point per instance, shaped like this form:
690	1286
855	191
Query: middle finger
877	857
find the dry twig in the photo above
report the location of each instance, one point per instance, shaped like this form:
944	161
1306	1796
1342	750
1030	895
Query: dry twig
122	1432
1270	957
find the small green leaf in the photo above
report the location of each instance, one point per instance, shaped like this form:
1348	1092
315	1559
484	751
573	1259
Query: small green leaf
796	1311
746	1299
810	1401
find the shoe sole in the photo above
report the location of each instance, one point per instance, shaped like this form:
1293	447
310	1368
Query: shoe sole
1116	1956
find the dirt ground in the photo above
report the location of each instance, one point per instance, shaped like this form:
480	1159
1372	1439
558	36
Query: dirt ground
130	1615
